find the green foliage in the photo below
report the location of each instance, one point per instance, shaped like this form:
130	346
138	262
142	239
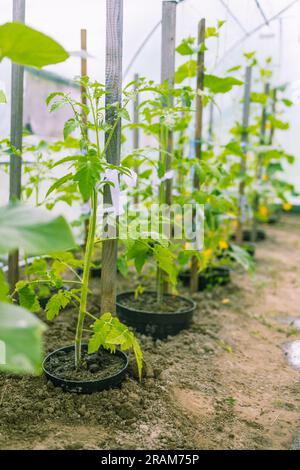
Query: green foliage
220	84
110	333
186	70
33	230
3	99
57	303
26	46
4	288
27	296
21	333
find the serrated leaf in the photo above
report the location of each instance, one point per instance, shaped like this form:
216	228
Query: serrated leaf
59	183
27	297
57	302
69	127
88	175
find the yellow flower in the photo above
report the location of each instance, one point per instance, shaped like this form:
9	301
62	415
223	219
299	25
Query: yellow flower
268	125
263	211
235	224
226	301
287	206
223	245
265	178
207	253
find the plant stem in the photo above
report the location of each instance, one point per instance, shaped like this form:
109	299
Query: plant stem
85	277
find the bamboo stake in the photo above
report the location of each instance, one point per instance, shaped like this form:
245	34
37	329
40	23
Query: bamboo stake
244	142
113	80
16	127
262	141
198	132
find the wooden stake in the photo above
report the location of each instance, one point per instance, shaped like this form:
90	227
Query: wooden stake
136	130
244	142
83	68
198	133
168	38
16	128
113	80
259	170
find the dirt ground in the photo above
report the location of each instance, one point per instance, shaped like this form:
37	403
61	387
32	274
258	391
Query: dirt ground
223	384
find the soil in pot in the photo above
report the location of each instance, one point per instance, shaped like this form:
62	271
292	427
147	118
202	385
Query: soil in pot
98	371
148	316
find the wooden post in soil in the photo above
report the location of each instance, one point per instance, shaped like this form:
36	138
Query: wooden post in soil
83	73
113	81
16	128
244	143
168	38
136	130
259	169
198	133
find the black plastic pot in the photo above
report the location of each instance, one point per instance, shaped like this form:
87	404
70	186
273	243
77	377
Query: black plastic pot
87	386
155	324
44	300
260	235
250	248
273	219
95	270
211	277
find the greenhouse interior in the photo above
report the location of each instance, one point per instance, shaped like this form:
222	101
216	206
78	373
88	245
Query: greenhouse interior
149	228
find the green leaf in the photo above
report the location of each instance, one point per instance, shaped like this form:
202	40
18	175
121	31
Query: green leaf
4	288
287	102
220	85
57	303
186	70
242	257
3	99
260	98
59	183
34	230
69	127
185	47
88	175
165	260
110	333
21	338
211	31
27	296
278	124
26	46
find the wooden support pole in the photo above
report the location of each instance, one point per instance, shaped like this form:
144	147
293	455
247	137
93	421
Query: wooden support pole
259	169
16	129
198	132
136	130
83	68
113	81
168	39
244	143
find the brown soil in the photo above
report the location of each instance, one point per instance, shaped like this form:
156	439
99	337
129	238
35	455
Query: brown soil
147	302
93	366
222	384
